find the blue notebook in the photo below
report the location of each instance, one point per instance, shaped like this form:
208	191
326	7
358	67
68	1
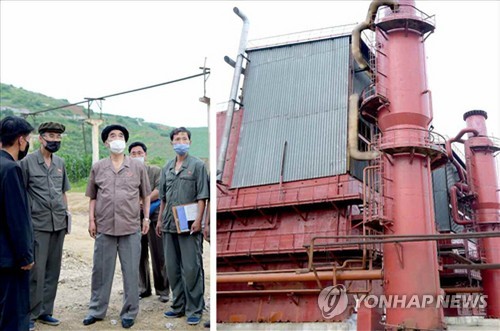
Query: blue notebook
184	215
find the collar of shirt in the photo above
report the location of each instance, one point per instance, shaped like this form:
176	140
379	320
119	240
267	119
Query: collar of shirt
125	164
6	155
39	156
184	165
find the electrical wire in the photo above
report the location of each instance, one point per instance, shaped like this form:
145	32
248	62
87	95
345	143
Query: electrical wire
116	94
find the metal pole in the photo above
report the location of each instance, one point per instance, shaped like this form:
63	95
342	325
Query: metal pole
303	277
221	161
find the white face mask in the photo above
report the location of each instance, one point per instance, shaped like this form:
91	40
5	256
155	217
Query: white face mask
139	158
117	146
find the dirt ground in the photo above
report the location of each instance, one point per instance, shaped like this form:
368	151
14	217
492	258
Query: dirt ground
73	292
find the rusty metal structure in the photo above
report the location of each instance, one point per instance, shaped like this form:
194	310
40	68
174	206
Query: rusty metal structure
355	204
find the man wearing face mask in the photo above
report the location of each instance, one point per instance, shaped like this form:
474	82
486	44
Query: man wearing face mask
138	151
116	186
16	232
184	180
46	183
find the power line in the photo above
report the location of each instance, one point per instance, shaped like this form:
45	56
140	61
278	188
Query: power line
116	94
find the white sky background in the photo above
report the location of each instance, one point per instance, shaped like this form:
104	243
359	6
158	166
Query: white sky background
77	49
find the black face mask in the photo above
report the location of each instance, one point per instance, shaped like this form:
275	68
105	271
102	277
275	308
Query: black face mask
52	146
22	154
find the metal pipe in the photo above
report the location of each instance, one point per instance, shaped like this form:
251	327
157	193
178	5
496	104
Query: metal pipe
449	151
304	277
454	290
233	95
354	152
459	135
462	187
267	292
447	290
482	266
283	291
455	215
356	47
367	24
468	235
415	239
352	134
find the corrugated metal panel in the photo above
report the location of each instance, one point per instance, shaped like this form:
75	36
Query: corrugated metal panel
297	95
441	201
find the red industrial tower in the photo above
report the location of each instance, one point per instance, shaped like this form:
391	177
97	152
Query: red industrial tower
480	189
404	117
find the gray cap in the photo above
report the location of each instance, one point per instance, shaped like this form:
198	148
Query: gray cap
51	127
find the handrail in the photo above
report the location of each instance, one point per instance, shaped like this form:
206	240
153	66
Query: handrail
417	137
431	19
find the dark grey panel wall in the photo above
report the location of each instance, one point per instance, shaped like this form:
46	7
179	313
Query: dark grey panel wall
442	179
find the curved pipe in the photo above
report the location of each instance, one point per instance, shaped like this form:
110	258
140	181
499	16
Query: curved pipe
238	69
462	187
367	24
454	208
449	151
243	17
356	46
352	135
458	138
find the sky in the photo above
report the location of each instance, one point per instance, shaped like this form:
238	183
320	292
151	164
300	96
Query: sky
77	49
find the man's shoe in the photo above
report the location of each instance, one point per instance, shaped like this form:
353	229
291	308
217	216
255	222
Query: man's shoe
47	319
91	320
32	325
193	320
127	323
206	324
164	298
172	314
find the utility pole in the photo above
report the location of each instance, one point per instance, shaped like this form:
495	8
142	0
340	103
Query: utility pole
95	128
95	138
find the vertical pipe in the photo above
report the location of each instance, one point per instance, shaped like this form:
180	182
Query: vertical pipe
409	268
484	181
221	161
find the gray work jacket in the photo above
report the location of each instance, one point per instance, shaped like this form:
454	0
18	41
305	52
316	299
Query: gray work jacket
46	186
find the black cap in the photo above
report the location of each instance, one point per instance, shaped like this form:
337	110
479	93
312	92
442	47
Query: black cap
476	112
109	128
51	127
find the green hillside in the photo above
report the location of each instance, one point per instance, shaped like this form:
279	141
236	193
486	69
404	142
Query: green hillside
77	143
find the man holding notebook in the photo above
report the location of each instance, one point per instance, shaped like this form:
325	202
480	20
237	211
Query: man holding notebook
184	187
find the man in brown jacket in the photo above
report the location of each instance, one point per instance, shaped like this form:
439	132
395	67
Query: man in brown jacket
116	186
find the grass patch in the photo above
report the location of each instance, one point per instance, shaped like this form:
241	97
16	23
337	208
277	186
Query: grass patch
79	186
